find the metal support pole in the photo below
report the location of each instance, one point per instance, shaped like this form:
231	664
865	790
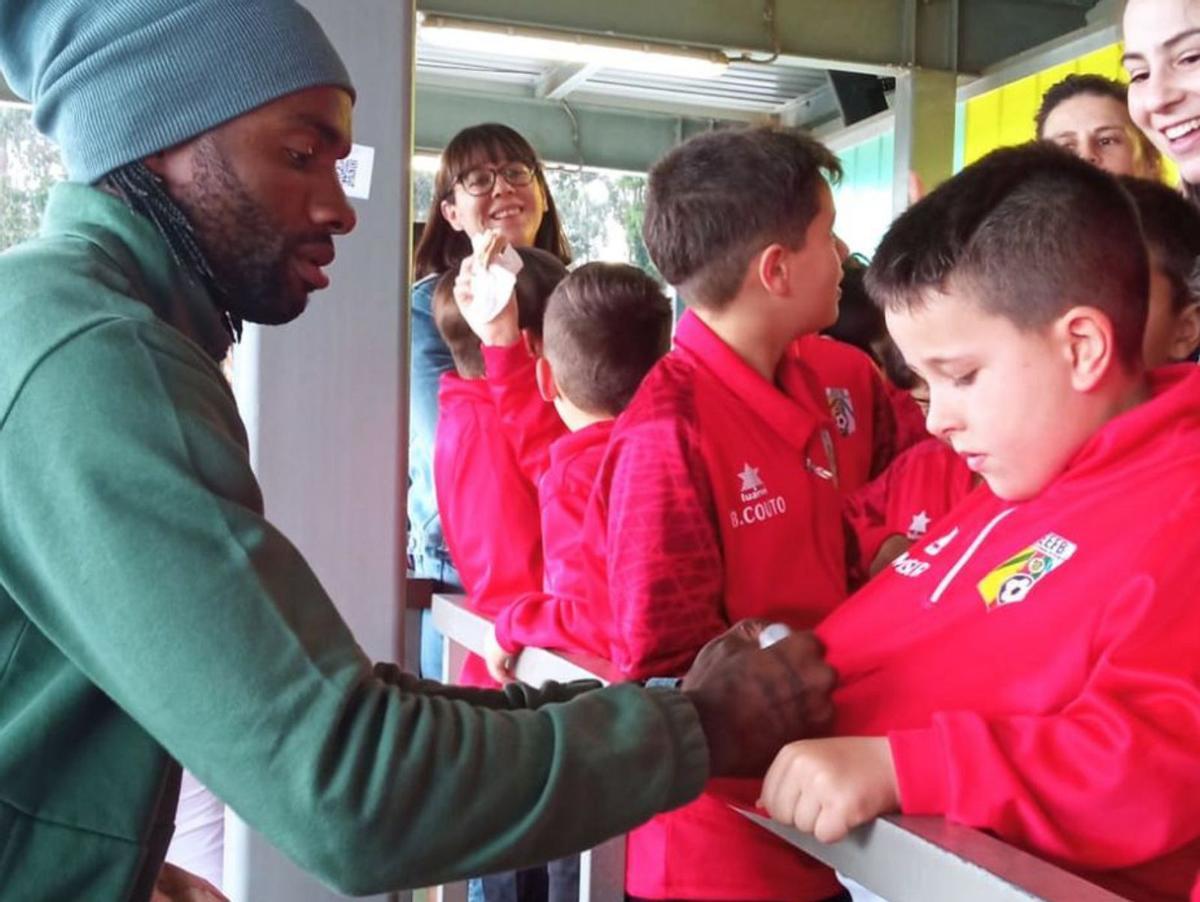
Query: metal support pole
925	109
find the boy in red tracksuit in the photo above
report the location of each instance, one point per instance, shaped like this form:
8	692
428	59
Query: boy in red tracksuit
927	481
606	324
1033	667
488	506
718	493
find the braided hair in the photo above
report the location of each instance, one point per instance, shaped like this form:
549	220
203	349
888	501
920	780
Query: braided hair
144	193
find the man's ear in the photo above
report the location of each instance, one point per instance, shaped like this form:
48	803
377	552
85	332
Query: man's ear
156	164
173	165
771	270
1186	337
544	376
1089	343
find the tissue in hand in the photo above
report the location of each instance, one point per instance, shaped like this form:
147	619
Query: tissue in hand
491	286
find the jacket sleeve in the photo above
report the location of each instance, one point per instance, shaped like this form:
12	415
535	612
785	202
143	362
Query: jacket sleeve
542	620
530	424
665	571
132	536
430	359
1112	779
865	514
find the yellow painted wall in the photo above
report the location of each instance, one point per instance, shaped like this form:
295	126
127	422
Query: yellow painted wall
1005	116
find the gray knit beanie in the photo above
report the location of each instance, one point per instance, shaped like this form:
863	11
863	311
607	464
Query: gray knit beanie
114	81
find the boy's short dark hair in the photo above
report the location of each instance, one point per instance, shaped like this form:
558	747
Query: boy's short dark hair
540	272
1032	231
464	344
1171	226
606	325
719	198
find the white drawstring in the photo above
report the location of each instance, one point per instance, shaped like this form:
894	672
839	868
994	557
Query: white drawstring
966	556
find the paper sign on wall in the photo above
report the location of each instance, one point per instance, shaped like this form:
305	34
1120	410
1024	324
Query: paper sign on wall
354	171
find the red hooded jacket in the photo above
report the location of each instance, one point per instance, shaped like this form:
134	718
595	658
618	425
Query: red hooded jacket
1036	665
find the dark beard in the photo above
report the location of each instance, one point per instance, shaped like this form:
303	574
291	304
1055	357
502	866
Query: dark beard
247	251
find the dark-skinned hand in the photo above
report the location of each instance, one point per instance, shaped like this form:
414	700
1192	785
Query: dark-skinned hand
752	701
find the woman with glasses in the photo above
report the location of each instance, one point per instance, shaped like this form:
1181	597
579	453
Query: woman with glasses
489	178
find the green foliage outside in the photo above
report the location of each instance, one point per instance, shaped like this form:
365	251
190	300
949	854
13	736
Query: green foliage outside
590	203
29	165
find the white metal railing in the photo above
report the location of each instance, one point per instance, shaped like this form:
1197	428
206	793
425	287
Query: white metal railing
901	858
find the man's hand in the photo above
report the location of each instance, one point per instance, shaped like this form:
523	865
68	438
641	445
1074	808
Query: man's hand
827	787
752	701
504	330
500	663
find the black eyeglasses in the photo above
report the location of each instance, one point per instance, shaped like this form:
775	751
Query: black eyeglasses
483	179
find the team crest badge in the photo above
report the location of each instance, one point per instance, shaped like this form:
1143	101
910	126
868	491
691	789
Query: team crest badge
1013	580
842	409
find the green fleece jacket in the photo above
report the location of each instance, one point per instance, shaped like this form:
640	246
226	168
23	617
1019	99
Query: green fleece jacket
150	615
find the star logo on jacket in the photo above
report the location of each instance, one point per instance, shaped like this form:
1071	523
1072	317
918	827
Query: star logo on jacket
756	507
752	484
919	525
1013	580
842	409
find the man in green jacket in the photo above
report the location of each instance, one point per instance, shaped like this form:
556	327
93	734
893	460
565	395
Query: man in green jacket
149	615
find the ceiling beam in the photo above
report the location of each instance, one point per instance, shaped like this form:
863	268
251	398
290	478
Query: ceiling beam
574	135
856	36
559	81
874	36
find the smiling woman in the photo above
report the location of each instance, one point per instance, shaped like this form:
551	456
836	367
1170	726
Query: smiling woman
1162	57
489	177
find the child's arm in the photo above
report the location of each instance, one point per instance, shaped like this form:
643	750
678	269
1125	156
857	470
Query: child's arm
865	513
530	424
663	552
542	620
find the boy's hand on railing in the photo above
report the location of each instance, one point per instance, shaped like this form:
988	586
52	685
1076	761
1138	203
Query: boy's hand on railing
753	701
827	787
500	663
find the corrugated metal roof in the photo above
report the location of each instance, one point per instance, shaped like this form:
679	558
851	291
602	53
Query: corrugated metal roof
744	86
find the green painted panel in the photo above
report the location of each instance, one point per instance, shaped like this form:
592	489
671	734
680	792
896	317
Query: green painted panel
864	197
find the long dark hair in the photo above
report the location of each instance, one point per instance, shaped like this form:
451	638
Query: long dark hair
441	246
